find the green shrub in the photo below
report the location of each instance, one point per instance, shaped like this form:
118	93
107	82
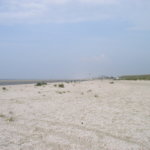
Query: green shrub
2	115
61	85
11	119
4	88
41	83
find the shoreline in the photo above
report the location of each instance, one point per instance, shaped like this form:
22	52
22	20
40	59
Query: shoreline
21	82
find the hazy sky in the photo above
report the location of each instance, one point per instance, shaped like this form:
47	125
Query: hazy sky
58	39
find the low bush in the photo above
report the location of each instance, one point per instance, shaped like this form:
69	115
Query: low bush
61	85
111	82
11	119
41	83
2	115
4	88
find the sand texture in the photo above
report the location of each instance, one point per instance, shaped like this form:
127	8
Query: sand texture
89	115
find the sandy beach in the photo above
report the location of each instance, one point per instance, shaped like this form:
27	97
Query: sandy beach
89	115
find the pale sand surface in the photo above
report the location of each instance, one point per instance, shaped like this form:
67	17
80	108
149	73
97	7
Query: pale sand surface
90	115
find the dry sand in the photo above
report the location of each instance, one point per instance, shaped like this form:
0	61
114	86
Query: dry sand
89	115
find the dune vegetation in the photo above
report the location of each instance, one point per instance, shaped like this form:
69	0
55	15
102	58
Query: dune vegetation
135	77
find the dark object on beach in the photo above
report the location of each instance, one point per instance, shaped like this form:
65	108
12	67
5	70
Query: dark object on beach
41	83
61	85
111	82
4	88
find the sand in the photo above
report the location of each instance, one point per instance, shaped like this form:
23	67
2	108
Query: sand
89	115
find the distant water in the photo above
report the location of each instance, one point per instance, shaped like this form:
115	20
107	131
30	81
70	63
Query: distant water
16	82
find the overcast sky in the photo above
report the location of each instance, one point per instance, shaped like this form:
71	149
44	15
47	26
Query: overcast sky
57	39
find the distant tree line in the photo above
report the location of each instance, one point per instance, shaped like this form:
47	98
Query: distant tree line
135	77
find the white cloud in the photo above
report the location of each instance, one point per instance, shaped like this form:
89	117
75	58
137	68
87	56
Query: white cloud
32	11
50	11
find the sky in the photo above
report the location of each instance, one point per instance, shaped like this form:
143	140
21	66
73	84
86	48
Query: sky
73	39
